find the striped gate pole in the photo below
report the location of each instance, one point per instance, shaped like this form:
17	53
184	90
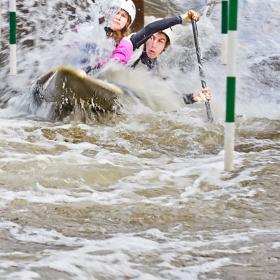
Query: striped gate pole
224	17
231	85
13	38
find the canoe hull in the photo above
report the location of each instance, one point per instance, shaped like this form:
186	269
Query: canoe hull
63	88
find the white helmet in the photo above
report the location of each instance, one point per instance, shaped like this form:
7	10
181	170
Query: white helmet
129	7
168	32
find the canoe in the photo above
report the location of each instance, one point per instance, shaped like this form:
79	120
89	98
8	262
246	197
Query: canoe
63	88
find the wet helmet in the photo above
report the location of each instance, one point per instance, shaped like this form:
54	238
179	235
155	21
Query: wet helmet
168	32
129	7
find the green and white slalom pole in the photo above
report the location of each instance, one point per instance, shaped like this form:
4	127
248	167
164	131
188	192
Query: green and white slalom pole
13	39
224	17
231	85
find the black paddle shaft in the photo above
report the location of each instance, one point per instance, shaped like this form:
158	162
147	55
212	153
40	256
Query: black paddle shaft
201	72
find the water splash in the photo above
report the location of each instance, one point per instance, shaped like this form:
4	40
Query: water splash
46	40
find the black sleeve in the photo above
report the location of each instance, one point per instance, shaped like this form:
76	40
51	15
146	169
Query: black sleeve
188	98
144	34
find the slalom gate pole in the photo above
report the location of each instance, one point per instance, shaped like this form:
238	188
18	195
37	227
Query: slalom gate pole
231	85
13	39
224	26
201	72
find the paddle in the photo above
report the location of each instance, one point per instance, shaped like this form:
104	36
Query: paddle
201	72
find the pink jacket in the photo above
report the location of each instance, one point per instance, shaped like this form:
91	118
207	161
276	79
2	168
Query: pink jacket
122	52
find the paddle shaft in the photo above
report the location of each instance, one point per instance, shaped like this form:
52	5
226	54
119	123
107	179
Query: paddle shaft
201	72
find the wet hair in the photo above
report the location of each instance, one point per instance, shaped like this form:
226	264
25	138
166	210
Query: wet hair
167	43
118	35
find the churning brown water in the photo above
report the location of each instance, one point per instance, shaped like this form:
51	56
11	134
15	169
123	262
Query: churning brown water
143	194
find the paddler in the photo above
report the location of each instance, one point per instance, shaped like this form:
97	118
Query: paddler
156	45
125	44
154	38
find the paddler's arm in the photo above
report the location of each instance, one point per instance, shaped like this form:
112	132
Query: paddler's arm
142	36
197	96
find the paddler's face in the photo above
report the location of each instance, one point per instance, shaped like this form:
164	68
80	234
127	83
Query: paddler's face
119	21
156	44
